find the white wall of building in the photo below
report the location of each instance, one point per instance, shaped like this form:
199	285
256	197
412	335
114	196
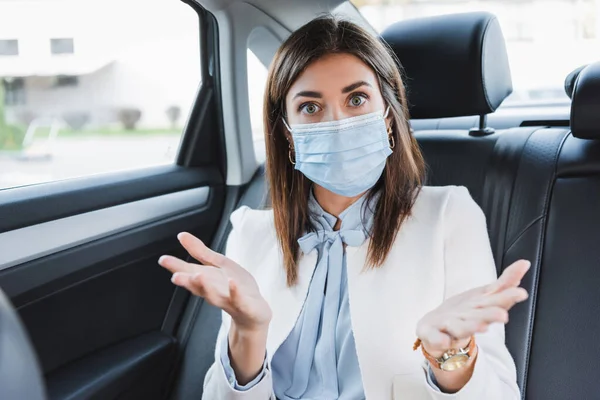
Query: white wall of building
142	54
145	53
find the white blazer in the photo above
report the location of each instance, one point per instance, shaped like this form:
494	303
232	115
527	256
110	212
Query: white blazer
441	250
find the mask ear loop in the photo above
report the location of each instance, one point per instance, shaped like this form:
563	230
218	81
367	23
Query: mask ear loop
390	132
289	144
286	125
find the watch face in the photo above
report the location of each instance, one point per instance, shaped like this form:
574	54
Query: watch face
455	362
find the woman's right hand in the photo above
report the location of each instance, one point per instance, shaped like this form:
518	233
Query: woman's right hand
226	285
222	283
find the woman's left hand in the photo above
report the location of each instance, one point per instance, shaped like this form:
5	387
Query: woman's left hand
452	324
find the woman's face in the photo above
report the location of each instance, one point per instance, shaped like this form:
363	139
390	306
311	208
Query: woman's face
334	87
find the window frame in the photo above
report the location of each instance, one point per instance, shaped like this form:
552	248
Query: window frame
191	168
15	53
56	46
15	91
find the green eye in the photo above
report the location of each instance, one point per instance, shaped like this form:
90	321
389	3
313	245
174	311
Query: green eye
310	108
357	101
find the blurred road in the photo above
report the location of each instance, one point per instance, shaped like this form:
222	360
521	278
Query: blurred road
75	157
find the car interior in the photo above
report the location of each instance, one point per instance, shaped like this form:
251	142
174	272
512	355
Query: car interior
87	313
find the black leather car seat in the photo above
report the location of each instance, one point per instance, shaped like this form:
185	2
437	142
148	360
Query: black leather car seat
509	173
564	338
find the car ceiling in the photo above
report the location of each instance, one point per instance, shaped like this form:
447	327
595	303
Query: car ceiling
289	13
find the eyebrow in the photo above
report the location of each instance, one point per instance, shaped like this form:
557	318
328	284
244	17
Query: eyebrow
308	93
347	89
355	86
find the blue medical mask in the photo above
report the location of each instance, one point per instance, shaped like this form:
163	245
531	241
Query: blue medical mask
347	156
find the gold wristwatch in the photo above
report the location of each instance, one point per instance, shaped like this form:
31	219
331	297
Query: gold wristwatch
452	359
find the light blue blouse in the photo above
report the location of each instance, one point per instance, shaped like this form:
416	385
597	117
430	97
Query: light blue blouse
318	359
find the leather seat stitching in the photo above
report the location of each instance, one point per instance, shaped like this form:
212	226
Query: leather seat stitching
537	271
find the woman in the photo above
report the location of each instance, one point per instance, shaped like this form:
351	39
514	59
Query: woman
325	294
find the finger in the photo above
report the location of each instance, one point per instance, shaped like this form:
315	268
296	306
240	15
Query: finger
184	280
487	315
235	298
437	339
201	252
174	264
204	284
193	282
462	329
505	299
239	303
511	277
234	293
218	294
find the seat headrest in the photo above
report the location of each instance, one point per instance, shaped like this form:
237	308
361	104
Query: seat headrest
585	103
454	65
571	79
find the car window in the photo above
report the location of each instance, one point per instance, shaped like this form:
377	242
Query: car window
545	39
257	80
92	87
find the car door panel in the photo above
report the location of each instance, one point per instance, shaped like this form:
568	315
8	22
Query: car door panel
35	204
78	258
87	285
100	286
42	239
134	369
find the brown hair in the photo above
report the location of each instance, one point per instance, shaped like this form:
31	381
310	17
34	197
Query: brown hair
290	189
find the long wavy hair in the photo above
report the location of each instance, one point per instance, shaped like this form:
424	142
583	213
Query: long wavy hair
398	186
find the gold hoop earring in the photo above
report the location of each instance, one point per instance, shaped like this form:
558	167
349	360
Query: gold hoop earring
290	156
391	140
